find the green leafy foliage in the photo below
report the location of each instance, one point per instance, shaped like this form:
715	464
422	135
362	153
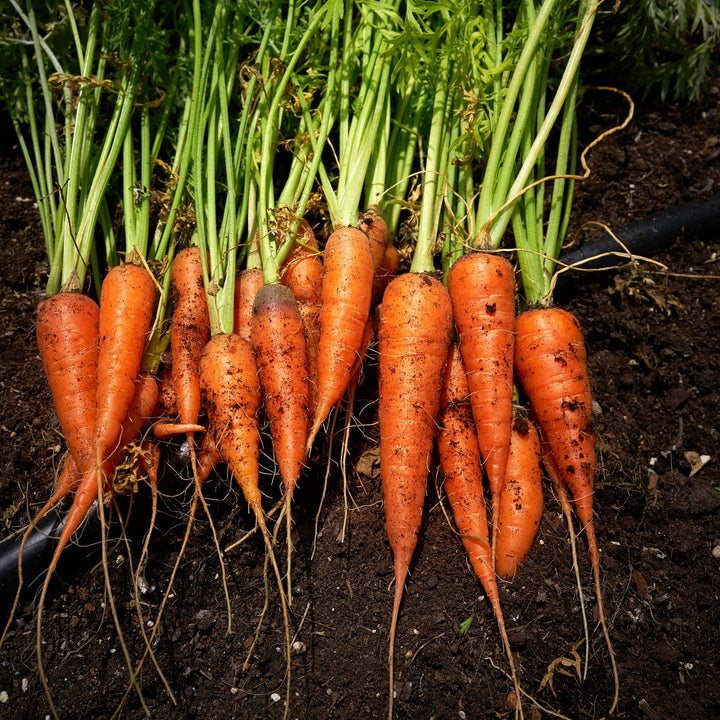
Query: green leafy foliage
665	47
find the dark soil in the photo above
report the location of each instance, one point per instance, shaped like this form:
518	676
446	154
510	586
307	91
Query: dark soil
653	338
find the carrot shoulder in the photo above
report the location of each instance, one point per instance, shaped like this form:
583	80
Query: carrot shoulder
414	330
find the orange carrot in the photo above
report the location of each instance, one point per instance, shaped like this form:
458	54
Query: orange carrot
67	338
460	460
551	364
414	330
278	340
520	504
231	387
389	268
127	305
302	272
482	289
126	313
247	283
189	332
346	297
373	225
228	375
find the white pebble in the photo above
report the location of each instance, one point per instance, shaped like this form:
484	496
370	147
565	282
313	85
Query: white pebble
275	697
4	697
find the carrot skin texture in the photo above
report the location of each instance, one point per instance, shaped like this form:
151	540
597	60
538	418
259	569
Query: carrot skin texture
229	378
521	500
189	331
127	304
551	365
346	296
414	331
278	340
67	337
247	283
482	289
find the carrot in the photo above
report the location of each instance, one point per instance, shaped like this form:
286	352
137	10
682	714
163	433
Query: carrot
346	297
302	272
67	338
127	305
482	290
228	375
551	364
126	313
520	504
460	460
278	340
247	283
389	268
414	330
189	332
376	229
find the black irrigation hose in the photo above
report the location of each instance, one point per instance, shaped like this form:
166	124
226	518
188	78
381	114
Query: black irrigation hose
646	237
85	546
38	552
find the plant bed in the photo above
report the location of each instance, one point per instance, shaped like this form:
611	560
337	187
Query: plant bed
653	342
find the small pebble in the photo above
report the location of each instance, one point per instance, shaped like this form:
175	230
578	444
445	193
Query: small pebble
716	552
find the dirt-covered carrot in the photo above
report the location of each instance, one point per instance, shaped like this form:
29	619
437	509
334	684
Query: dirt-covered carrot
482	290
302	272
551	364
414	330
278	340
376	229
389	268
346	296
189	333
247	283
520	505
460	460
67	337
127	306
